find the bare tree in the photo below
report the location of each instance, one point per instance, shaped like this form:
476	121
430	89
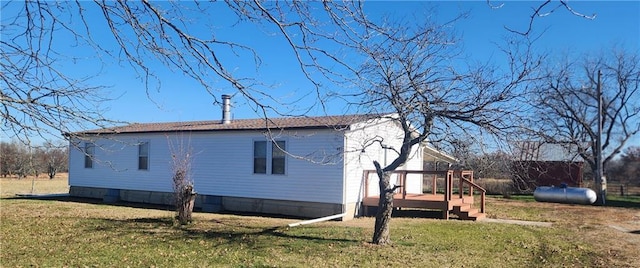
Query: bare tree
183	188
17	158
566	103
413	73
626	168
5	149
39	98
53	159
9	155
45	97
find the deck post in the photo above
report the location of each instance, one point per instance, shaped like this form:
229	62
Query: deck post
404	184
445	213
461	184
434	186
449	188
366	183
471	180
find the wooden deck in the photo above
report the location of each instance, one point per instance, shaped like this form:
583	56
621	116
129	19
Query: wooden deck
443	194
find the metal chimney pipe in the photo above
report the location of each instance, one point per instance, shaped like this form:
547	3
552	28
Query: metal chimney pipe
226	109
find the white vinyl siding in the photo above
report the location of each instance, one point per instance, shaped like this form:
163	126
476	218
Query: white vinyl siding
221	165
361	152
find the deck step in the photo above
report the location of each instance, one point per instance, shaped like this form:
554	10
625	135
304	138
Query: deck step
476	216
460	208
465	212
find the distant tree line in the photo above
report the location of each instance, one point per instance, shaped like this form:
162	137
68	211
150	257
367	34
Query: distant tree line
17	159
626	168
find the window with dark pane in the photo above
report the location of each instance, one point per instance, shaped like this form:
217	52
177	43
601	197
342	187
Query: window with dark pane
143	156
278	157
260	157
89	151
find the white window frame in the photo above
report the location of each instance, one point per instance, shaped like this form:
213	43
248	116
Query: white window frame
148	155
266	157
269	148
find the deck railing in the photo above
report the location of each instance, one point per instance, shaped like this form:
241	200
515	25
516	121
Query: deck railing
402	179
465	182
472	185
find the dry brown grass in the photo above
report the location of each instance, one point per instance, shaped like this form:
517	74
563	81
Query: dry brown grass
11	186
612	231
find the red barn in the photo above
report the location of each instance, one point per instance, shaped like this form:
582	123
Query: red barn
546	164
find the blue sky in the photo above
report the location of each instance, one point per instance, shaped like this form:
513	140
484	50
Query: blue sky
179	98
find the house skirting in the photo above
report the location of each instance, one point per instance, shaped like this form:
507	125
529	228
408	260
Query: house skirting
211	203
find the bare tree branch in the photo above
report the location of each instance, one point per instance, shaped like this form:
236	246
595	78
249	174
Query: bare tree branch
543	9
566	103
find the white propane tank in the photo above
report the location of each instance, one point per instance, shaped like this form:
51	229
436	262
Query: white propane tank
564	194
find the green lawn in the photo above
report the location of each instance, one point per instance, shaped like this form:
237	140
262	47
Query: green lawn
63	233
74	233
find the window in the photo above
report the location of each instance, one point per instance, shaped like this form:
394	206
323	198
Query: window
275	152
89	151
260	157
143	156
277	157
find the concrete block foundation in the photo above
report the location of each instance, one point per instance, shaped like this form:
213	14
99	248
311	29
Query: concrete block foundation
211	203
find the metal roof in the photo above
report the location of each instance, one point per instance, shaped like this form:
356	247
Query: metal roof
337	121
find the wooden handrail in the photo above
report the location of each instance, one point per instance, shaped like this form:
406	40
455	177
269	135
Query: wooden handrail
437	172
462	174
482	191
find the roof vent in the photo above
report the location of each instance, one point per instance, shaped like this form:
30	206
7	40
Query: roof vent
226	109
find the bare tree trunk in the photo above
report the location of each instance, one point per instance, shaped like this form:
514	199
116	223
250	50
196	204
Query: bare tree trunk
385	207
185	203
184	198
52	171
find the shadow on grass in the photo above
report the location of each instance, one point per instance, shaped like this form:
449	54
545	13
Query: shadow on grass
397	213
416	213
622	202
97	201
222	232
93	201
410	213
